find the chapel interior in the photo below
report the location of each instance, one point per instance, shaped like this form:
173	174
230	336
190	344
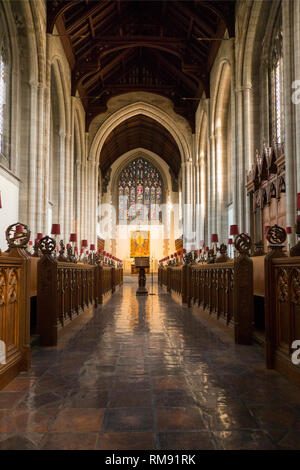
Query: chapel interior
149	225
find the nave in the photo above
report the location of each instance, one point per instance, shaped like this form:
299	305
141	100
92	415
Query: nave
148	373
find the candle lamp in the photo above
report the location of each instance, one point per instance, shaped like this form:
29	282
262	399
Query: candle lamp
55	230
234	231
230	242
214	240
288	232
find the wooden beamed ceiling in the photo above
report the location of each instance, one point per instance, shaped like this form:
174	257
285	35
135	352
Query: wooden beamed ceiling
140	131
118	46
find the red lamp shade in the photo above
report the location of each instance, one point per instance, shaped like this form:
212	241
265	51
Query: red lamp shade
73	237
229	241
84	243
298	202
92	247
288	230
234	229
214	238
39	236
19	229
55	230
266	228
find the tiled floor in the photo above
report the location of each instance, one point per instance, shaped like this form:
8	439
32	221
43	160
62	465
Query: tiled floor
147	373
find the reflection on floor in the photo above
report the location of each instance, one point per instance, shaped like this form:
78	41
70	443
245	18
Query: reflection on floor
145	373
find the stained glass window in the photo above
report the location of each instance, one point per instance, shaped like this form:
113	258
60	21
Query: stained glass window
277	113
140	192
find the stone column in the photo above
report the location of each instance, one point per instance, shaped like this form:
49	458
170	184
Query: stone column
78	199
68	195
290	131
61	175
212	189
46	159
249	145
208	175
187	207
32	176
239	161
40	157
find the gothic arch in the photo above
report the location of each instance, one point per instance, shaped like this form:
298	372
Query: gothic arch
182	140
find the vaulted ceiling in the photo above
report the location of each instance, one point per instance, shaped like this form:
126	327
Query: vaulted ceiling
117	46
140	131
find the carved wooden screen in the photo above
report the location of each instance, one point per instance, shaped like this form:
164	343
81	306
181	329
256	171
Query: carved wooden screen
266	189
140	193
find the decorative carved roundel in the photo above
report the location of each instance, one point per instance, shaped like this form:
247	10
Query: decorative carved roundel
243	243
17	235
47	245
276	235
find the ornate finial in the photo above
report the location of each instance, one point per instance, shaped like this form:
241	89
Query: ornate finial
70	255
47	245
222	256
36	251
211	257
17	235
243	243
276	235
188	258
62	256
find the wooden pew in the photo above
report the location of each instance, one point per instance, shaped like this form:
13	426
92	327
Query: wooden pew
282	307
66	290
223	289
15	305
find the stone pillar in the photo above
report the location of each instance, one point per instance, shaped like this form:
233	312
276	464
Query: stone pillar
68	196
239	161
208	175
40	157
46	159
61	176
296	44
212	189
187	203
249	147
198	217
32	176
78	228
290	132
